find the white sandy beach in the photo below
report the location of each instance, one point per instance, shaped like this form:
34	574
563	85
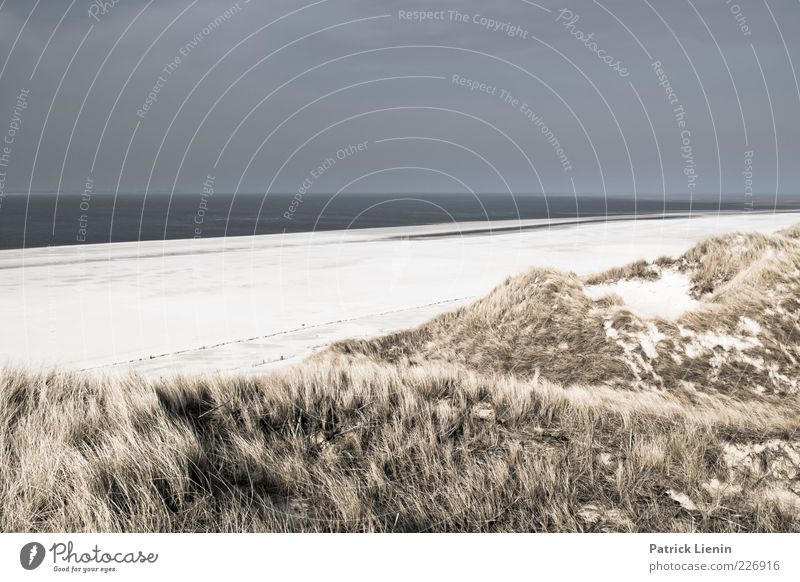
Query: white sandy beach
251	303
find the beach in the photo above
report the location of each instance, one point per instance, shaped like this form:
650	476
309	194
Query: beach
251	304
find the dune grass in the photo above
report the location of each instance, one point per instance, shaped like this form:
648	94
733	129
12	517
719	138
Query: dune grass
346	444
517	413
743	341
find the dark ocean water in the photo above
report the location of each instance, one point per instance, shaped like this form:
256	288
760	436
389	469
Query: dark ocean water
46	220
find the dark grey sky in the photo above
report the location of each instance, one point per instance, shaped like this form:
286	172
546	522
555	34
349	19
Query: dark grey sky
277	87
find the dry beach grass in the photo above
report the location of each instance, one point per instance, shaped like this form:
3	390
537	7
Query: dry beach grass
537	408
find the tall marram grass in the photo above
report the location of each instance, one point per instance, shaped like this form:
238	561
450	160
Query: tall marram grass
351	445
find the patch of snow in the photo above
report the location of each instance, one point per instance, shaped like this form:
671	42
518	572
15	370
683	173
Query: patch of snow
749	326
782	379
483	411
717	488
777	457
756	362
649	340
610	331
693	350
605	459
700	343
683	500
788	500
667	297
711	340
645	341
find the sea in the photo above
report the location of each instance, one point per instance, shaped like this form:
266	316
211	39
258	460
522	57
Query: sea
41	219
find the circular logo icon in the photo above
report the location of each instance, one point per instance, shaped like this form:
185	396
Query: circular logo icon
31	555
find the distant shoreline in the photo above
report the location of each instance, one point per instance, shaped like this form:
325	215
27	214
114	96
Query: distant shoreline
47	220
429	231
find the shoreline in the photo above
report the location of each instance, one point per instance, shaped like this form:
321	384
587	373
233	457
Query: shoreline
418	231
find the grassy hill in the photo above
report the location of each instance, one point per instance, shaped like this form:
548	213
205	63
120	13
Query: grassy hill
552	404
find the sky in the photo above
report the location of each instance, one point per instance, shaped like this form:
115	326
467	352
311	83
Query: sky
652	98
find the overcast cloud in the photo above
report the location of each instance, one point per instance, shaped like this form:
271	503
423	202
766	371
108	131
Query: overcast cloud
272	94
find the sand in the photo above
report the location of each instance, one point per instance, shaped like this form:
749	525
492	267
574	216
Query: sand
253	303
